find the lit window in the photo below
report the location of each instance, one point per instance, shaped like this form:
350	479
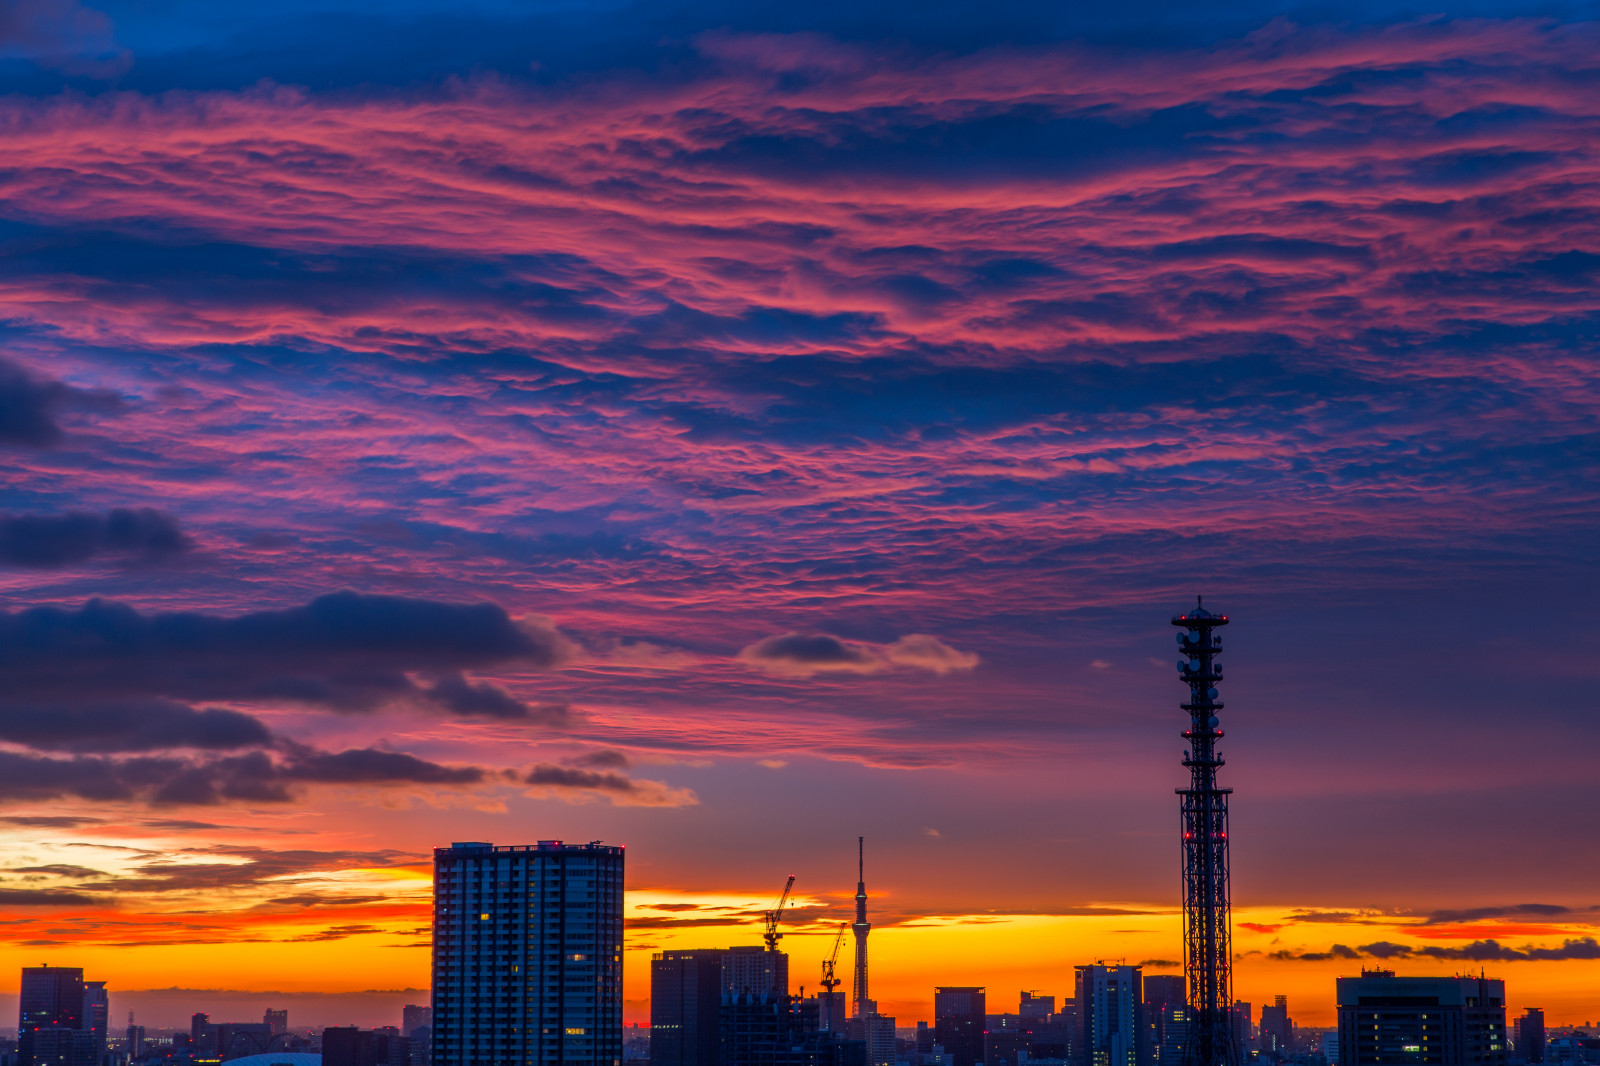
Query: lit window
576	1032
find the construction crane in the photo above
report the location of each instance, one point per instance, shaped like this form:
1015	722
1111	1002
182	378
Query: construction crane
772	936
829	981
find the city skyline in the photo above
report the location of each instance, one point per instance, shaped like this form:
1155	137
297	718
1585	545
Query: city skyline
730	430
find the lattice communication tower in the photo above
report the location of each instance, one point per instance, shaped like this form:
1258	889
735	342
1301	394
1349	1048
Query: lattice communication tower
1207	921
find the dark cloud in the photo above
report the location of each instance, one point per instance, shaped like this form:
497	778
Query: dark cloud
44	897
1478	914
60	870
254	777
346	651
481	699
576	778
601	759
1477	951
148	726
808	649
243	867
29	406
52	541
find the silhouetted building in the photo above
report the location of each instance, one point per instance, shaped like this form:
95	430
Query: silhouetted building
685	997
767	1029
1277	1029
97	1015
413	1017
875	1033
1166	1017
1330	1047
133	1039
51	1005
351	1046
753	969
276	1021
1386	1020
1033	1005
1239	1019
527	955
1109	1016
958	1022
1530	1035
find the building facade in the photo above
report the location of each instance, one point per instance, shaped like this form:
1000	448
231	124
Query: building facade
686	990
527	955
50	1013
958	1022
749	969
1166	1017
1110	1015
1277	1028
1386	1020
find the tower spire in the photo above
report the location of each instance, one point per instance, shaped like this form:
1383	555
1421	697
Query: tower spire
1207	919
861	928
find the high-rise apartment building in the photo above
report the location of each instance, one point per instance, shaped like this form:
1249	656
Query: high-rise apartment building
50	1023
1110	1009
1386	1020
958	1022
527	955
686	990
1530	1035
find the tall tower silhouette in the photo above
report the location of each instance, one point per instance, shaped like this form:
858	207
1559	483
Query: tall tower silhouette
861	928
1207	920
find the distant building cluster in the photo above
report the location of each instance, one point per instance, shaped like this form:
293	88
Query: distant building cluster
63	1021
527	971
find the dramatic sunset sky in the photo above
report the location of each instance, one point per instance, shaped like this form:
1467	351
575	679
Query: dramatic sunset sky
729	428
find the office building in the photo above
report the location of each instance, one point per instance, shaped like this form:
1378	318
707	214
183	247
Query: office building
769	1029
527	955
1330	1047
50	1011
1386	1020
276	1021
1277	1029
1166	1017
1110	1009
752	970
1530	1035
97	1015
958	1022
685	996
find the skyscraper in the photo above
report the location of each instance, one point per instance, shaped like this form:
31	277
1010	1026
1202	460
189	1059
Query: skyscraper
527	955
686	990
1277	1029
1530	1035
276	1021
96	1015
958	1022
50	1029
1109	1012
753	969
1440	1021
414	1017
1166	1017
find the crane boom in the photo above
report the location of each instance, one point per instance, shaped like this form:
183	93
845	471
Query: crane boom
772	936
829	981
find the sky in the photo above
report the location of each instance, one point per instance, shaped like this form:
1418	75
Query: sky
729	429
